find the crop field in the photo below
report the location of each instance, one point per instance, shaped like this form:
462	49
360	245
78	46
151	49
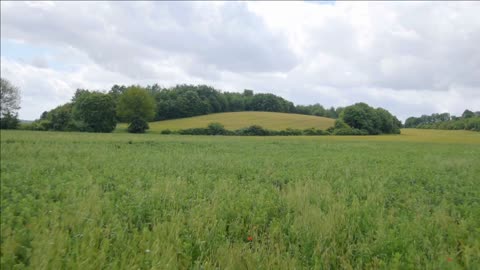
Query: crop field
124	201
237	120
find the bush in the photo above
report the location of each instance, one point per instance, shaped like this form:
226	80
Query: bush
254	130
289	132
194	131
138	125
166	131
314	132
349	131
340	124
216	129
9	121
473	124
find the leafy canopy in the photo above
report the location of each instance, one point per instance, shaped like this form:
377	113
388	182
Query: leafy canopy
95	112
136	103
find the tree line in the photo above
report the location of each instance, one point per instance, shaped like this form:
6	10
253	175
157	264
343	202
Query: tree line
469	120
138	105
96	111
192	100
357	119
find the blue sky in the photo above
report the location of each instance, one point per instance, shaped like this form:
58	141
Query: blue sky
33	54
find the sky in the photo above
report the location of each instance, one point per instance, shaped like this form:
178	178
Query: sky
411	58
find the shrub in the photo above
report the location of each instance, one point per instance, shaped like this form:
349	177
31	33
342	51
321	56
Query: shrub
349	131
216	129
138	125
289	132
166	131
254	130
314	132
340	124
473	124
194	131
9	121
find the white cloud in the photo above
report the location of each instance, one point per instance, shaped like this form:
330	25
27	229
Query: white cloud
409	57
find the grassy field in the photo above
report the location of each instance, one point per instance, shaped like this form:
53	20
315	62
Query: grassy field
123	201
237	120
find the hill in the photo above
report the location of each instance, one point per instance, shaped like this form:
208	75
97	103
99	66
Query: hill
236	120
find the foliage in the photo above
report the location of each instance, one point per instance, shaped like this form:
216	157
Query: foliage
254	130
138	125
216	129
193	131
374	121
185	100
9	97
128	201
9	120
314	131
135	103
60	118
468	114
9	105
349	131
288	132
95	111
468	121
339	123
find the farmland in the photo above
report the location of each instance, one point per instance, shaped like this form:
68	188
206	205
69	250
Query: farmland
237	120
127	201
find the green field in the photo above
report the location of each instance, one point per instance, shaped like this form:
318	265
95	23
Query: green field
237	120
126	201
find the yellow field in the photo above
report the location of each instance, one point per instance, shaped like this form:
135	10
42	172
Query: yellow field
416	135
236	120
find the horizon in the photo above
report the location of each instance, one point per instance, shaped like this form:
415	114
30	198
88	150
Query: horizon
411	58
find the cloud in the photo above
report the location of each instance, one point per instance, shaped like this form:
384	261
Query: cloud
424	46
408	57
129	37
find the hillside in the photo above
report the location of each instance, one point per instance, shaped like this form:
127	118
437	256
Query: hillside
236	120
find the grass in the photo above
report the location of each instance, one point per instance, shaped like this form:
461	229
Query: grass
123	201
237	120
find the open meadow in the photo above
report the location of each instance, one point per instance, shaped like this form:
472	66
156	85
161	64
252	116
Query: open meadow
125	201
237	120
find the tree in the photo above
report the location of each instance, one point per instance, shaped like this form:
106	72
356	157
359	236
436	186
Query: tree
116	91
374	121
9	121
9	105
60	118
136	104
95	112
468	114
361	116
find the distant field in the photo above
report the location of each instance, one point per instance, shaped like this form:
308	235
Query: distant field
151	201
236	120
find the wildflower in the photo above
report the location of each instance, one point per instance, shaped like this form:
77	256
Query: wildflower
250	238
147	250
449	259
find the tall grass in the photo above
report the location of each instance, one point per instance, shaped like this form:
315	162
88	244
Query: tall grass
122	201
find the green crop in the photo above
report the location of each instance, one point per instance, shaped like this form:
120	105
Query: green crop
127	201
